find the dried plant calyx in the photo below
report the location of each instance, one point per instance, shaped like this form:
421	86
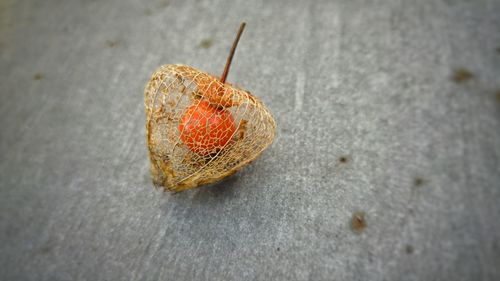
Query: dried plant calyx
196	135
201	129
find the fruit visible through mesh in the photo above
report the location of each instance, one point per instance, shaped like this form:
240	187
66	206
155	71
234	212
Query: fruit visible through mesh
199	129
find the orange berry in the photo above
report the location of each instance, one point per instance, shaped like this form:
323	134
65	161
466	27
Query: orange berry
205	129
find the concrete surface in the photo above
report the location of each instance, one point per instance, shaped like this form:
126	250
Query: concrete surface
371	119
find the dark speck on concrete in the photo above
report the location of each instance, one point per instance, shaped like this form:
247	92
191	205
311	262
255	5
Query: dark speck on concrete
45	249
38	76
498	50
111	43
278	249
409	249
206	43
462	75
343	159
417	182
358	222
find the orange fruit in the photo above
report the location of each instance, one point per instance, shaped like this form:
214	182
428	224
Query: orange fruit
206	129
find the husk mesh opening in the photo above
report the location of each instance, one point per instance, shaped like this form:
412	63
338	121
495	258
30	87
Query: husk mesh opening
176	93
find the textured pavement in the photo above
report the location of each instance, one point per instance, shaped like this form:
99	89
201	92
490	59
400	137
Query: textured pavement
388	111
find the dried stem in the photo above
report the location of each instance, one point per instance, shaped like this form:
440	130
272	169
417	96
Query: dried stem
231	53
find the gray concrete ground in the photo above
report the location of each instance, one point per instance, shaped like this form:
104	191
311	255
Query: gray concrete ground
387	108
